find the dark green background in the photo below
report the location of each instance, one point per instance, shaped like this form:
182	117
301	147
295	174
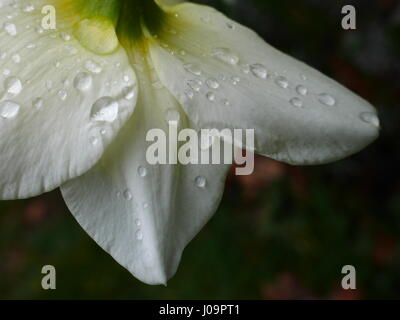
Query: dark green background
284	232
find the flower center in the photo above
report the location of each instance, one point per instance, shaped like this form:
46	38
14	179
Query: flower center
100	25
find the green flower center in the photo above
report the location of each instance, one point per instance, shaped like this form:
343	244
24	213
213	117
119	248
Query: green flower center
106	23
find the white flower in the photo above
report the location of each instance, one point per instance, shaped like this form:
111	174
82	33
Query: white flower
76	104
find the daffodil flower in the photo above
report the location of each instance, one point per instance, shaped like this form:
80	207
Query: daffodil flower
77	102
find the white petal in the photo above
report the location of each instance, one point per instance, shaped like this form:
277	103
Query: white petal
144	215
299	115
48	84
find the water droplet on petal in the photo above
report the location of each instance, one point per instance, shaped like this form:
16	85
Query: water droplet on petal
62	94
225	102
212	83
65	36
139	235
259	70
193	68
225	55
195	85
210	96
92	66
326	99
201	182
9	109
371	118
38	103
10	28
104	109
127	195
282	82
129	93
296	102
83	81
13	85
16	58
142	172
302	90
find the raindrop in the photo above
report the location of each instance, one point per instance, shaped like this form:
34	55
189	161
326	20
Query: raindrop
138	222
282	82
190	94
83	81
104	109
225	102
28	8
225	55
210	96
62	94
296	102
129	93
9	109
212	83
235	80
10	28
92	66
371	118
38	103
127	195
139	235
16	58
142	172
94	141
65	36
13	85
326	99
302	90
195	84
201	182
230	25
193	68
259	70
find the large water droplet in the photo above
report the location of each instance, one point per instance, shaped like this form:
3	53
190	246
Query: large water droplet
83	81
225	55
13	85
201	181
9	109
104	109
326	99
371	118
259	70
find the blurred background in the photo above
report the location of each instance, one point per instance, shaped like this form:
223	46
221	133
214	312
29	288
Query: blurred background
282	233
